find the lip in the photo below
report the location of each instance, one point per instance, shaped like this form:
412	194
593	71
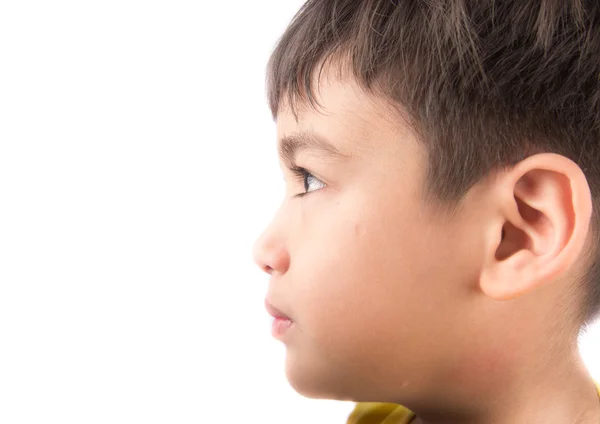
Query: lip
281	325
274	312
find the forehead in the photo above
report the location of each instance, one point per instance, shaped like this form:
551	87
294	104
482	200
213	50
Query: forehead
349	117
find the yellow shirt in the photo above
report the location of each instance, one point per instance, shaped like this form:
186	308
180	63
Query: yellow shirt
386	413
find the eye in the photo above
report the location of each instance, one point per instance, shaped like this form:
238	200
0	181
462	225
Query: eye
309	181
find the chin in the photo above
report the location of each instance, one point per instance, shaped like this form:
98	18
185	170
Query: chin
315	382
304	382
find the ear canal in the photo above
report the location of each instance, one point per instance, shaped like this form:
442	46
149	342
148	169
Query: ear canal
513	239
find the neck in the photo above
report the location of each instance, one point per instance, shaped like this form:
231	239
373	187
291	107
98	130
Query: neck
562	392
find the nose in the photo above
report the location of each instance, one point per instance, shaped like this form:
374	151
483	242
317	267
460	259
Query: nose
270	253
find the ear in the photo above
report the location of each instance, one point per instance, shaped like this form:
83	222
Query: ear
542	210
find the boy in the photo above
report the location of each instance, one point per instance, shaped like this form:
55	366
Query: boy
437	252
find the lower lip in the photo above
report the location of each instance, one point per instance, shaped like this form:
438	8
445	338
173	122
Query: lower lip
280	327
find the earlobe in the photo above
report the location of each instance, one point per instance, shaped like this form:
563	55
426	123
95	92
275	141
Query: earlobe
543	215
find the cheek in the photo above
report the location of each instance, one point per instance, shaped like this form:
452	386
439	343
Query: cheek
371	268
356	276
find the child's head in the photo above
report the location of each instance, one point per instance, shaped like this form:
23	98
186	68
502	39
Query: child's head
453	158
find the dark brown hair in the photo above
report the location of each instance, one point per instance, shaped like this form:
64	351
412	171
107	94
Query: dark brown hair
485	82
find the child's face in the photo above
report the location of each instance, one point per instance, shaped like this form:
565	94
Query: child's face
366	272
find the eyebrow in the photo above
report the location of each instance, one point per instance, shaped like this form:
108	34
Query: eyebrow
290	145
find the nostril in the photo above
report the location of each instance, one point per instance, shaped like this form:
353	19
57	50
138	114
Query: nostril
271	257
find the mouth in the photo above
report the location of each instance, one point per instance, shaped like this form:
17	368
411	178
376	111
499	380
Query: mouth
275	313
281	322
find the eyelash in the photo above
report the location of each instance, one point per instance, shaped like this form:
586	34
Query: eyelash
302	174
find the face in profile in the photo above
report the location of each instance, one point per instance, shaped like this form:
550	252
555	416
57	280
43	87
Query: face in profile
357	262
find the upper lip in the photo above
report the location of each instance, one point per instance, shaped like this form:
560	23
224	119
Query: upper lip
274	312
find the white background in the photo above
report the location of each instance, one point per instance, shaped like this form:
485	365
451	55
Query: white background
137	167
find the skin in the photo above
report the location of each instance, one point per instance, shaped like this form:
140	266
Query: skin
462	318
